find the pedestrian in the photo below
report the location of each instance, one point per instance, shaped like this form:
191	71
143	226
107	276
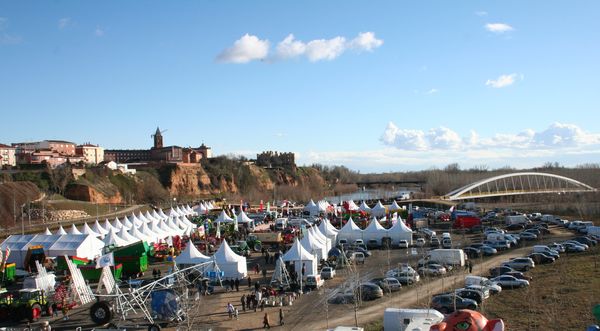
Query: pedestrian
262	305
264	273
154	273
54	309
248	301
280	316
243	301
303	268
267	258
256	269
470	267
254	302
65	310
46	326
230	310
256	286
237	284
159	274
236	313
249	282
266	321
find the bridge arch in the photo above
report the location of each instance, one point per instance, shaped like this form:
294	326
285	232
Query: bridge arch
516	184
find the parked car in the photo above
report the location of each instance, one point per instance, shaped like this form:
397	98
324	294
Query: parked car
485	291
541	258
403	244
407	278
373	244
314	281
432	270
534	231
557	247
472	253
573	248
518	275
365	252
327	272
501	270
370	291
485	249
520	263
435	242
357	257
575	242
445	303
527	236
586	240
507	281
515	227
420	242
499	245
388	284
472	294
483	281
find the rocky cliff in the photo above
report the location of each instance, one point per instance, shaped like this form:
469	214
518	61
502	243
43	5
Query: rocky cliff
89	193
12	196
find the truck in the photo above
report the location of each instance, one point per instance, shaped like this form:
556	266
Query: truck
516	219
454	257
464	220
267	237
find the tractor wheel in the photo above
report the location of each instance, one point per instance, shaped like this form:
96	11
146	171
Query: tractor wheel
35	312
154	327
4	312
101	313
257	247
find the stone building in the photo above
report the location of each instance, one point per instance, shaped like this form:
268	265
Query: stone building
7	156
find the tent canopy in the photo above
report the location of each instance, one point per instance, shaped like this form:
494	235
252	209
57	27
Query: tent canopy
191	255
364	207
223	218
231	264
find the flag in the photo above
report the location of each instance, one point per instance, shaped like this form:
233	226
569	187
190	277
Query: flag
105	260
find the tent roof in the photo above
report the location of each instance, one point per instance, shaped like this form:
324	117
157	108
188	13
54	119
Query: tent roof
191	255
88	230
399	227
226	255
375	227
297	253
112	238
395	206
379	206
61	230
74	230
327	229
243	218
364	207
349	227
47	232
224	218
352	206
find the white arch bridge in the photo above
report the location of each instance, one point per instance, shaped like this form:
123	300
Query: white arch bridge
516	184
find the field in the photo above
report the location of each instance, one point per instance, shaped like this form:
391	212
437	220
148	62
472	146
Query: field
561	296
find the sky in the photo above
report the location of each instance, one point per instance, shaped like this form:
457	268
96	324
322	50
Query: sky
374	86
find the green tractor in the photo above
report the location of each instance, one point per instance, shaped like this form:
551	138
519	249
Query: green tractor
254	243
26	303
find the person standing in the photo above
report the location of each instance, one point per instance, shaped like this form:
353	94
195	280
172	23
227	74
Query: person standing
280	316
470	267
230	310
264	273
243	301
237	284
266	321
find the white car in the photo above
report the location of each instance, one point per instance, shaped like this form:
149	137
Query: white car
403	244
432	270
327	273
420	242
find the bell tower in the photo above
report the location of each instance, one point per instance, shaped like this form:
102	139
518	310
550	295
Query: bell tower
158	139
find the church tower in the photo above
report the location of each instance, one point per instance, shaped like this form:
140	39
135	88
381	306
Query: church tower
158	139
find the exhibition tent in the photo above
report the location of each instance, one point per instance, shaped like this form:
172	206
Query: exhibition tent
350	231
113	239
232	265
300	256
86	246
223	218
328	230
191	256
243	218
314	246
378	210
61	230
395	206
374	231
321	238
364	207
400	231
312	208
74	230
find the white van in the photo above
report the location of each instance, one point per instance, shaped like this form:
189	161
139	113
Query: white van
547	218
281	224
357	258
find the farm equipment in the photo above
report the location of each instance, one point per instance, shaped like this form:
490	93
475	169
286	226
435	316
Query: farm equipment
162	301
7	274
26	303
134	258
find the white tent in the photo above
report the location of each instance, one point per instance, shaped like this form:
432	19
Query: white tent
243	218
74	230
161	213
87	230
117	224
312	208
124	234
364	207
80	245
136	232
395	206
61	230
328	230
191	255
323	206
400	231
162	234
47	232
174	227
135	220
181	211
314	246
299	256
201	209
224	218
350	232
378	210
126	223
352	206
374	231
321	238
107	226
231	264
157	215
162	225
149	233
113	239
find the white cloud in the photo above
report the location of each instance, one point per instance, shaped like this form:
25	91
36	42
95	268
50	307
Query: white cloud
498	27
432	91
247	48
365	41
250	48
64	22
99	32
481	13
444	138
5	37
502	81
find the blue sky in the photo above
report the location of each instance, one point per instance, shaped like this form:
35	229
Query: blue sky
385	86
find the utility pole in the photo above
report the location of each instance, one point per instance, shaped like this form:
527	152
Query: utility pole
22	221
29	212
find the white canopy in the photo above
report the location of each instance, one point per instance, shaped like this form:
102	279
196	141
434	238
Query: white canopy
395	206
374	231
352	206
400	231
312	208
126	223
191	255
136	232
157	215
113	239
117	224
61	230
81	245
350	231
161	213
328	230
201	209
88	230
364	207
135	220
243	218
321	238
47	232
231	264
224	218
107	226
299	256
162	234
314	246
124	234
174	227
378	210
74	230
